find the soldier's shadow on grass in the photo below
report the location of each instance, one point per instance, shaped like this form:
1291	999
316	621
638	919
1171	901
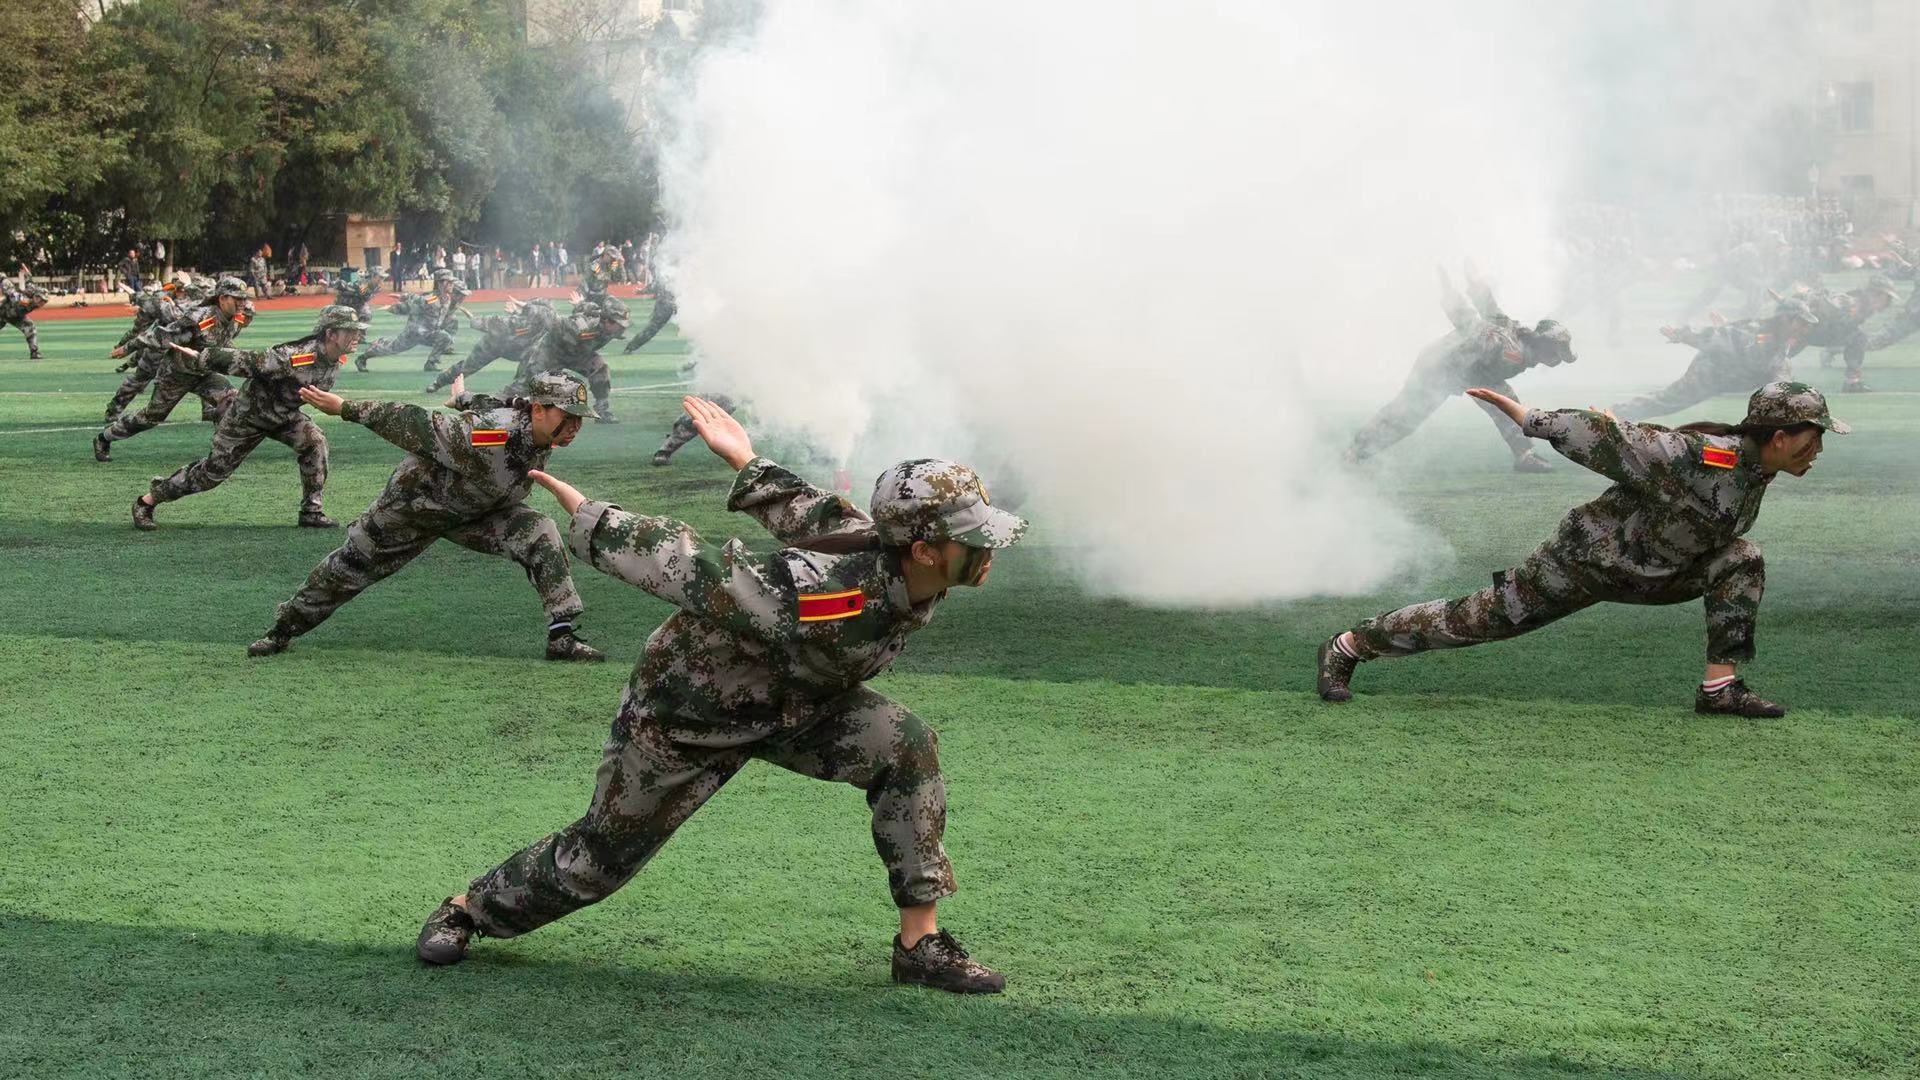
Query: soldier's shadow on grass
88	999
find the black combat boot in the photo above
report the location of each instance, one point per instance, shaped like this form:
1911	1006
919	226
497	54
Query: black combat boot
1855	386
1531	462
603	414
1335	671
1734	699
277	641
939	961
568	647
432	364
102	449
662	457
444	939
143	516
317	519
359	363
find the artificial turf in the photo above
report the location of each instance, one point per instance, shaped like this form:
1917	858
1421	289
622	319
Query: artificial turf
1525	860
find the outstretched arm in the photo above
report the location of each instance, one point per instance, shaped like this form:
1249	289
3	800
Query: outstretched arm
1620	450
797	513
728	586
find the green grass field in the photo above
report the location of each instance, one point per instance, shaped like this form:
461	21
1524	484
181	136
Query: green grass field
1527	860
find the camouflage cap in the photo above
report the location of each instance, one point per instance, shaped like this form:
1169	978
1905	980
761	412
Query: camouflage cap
231	286
1794	307
338	317
610	307
560	390
1785	403
1882	284
933	500
1555	332
442	274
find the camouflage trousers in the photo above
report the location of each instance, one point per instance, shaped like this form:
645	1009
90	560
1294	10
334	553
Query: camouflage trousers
1547	587
683	431
1418	398
169	389
25	326
1897	329
387	537
138	378
1706	376
438	343
476	362
650	783
663	309
233	440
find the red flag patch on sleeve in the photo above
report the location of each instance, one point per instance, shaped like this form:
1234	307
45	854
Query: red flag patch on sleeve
1718	458
209	322
489	437
826	607
301	359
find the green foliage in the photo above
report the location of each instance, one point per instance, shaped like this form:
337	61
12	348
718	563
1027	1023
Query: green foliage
59	116
216	124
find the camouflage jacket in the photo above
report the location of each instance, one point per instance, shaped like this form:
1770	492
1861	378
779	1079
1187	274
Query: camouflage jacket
568	342
1898	325
1841	315
516	334
758	639
149	308
459	467
1677	497
356	294
271	397
1485	345
16	306
1748	345
426	313
600	273
201	328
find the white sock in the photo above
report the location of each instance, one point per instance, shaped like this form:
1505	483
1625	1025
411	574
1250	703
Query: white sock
1344	646
1714	686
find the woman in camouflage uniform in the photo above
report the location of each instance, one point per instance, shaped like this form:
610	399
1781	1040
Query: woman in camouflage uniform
1666	532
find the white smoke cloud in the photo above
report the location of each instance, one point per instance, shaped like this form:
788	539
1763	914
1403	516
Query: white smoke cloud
1125	254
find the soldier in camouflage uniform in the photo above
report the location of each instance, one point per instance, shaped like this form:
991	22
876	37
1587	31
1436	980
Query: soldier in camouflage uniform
1485	349
663	309
602	271
1843	318
431	321
267	407
16	305
1903	323
1729	358
177	374
574	344
357	290
502	337
464	480
1667	531
767	658
157	307
684	431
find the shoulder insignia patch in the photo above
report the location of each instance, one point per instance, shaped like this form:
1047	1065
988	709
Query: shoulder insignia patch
300	359
826	607
489	436
209	322
1718	458
587	334
433	299
241	319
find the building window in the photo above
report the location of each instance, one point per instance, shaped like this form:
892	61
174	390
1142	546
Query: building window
1846	107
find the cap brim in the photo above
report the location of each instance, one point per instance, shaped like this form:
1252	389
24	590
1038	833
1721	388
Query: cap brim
1838	427
577	410
1001	529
